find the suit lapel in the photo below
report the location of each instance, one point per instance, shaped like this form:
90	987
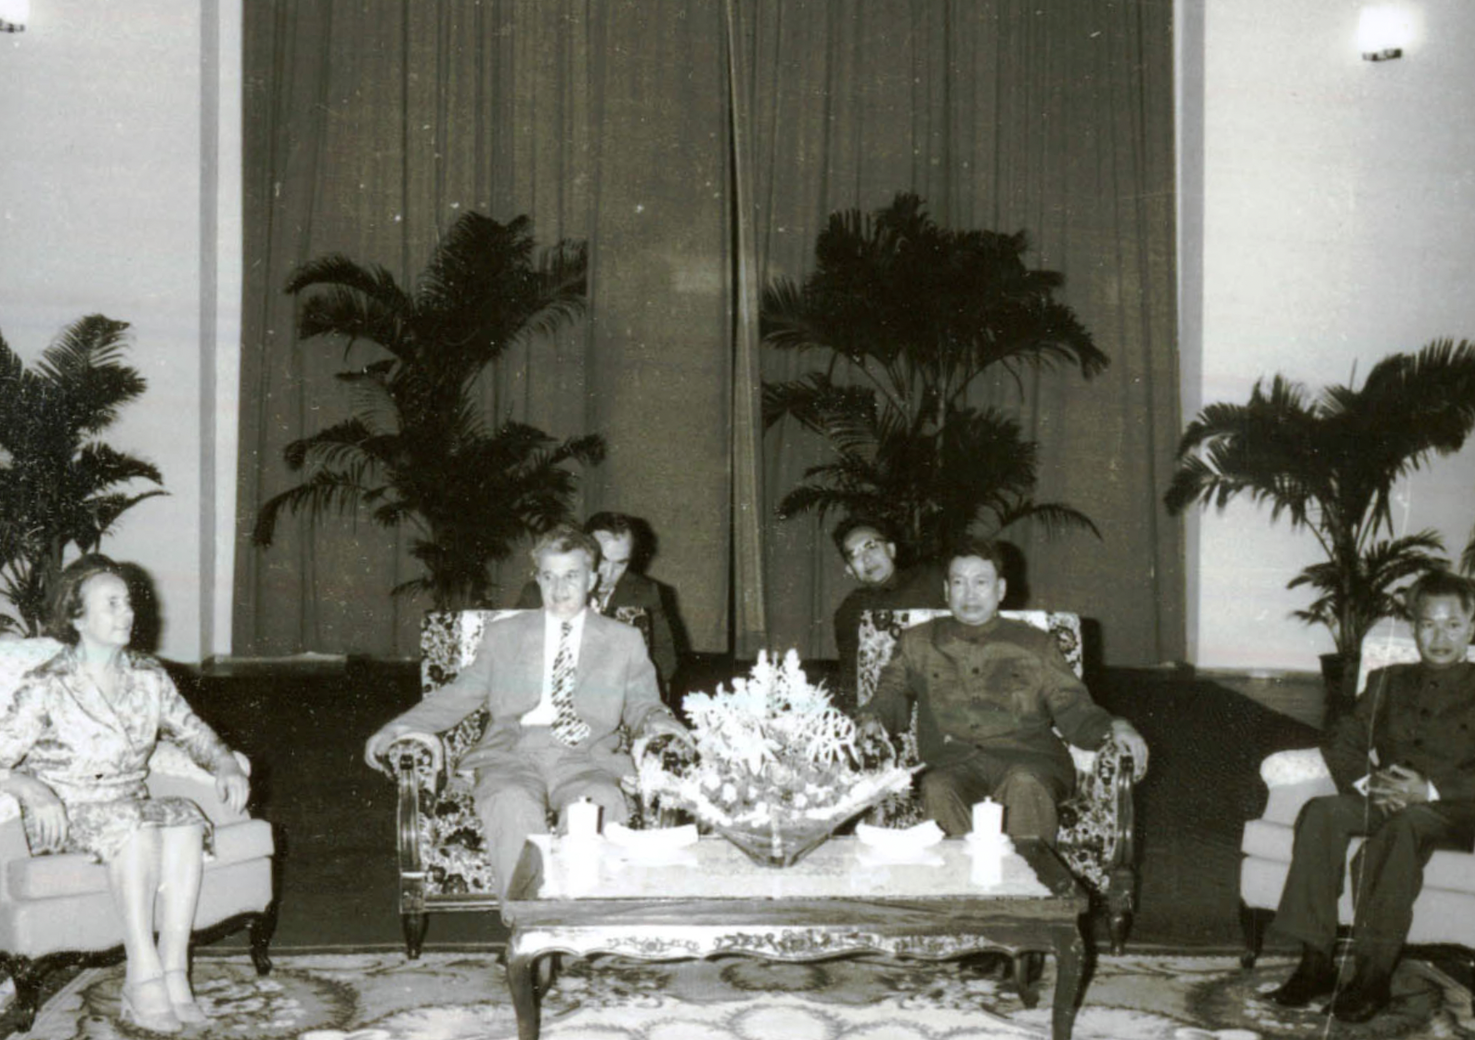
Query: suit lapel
592	649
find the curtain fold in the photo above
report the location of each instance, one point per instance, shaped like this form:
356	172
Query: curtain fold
750	608
1051	118
699	146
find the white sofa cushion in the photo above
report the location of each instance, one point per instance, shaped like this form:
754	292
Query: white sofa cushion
1448	869
52	877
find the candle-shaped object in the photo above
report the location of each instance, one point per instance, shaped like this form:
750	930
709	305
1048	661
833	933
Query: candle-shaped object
988	820
583	820
988	865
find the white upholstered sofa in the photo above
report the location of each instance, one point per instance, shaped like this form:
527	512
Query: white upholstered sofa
1444	914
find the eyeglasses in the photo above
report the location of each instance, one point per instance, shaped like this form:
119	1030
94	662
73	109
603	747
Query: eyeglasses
865	548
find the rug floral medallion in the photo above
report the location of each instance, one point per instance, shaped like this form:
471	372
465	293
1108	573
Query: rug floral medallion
461	996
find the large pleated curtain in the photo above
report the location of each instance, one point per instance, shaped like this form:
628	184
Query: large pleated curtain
698	146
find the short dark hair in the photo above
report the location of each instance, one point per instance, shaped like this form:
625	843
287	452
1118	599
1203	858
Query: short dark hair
845	528
983	548
563	538
618	524
65	604
1440	583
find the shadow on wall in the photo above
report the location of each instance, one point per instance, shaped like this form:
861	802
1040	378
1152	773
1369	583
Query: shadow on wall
148	623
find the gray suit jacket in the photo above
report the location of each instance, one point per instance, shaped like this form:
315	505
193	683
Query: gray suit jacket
616	684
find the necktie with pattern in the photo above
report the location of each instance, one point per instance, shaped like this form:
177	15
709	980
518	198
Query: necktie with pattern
568	728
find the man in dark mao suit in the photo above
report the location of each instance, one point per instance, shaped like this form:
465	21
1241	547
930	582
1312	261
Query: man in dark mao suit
988	691
1410	746
619	586
527	762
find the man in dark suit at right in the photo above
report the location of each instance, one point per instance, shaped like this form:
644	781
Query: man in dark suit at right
619	586
1404	765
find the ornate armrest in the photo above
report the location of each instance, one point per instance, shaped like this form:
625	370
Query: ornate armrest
1105	781
417	759
1293	767
661	751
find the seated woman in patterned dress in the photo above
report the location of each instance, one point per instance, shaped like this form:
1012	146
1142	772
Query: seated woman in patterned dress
79	734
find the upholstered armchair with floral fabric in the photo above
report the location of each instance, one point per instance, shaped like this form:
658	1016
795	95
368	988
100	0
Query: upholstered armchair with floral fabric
443	865
57	909
1096	823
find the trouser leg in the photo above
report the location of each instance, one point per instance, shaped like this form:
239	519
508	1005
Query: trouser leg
594	783
1028	786
1308	902
1388	875
514	792
512	804
948	794
1029	802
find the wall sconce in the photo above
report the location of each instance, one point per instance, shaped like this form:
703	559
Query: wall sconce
14	14
1382	32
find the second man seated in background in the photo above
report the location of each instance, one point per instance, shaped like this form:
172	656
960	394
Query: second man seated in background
869	549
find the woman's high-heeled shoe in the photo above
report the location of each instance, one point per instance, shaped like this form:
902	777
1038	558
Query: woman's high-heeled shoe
183	999
147	1005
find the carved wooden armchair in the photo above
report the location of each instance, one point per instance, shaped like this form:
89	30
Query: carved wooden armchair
443	864
1096	823
56	909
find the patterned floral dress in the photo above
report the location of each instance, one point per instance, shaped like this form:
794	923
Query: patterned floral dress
93	750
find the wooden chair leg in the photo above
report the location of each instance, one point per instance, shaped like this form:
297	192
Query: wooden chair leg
26	974
1028	967
1121	903
545	971
1252	926
263	926
415	926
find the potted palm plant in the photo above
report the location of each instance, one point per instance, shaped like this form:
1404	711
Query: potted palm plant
60	487
1329	463
416	448
909	315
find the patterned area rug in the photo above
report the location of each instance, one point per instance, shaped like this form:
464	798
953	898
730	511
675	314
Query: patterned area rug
446	996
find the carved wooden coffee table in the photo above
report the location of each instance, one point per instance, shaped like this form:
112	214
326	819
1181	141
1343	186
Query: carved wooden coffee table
836	901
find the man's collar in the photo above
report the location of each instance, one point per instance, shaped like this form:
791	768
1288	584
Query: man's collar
553	622
1457	671
951	630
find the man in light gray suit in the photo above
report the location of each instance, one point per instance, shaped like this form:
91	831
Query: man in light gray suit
558	684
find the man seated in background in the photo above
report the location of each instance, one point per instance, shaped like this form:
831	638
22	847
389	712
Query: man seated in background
558	684
1404	765
620	586
988	691
869	549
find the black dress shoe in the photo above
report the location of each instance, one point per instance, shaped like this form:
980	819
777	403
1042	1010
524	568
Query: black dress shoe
1361	1001
1314	977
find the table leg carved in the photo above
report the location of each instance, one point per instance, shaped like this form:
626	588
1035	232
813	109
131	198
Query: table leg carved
531	950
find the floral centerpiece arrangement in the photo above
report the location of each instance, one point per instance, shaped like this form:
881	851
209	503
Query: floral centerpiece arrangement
776	767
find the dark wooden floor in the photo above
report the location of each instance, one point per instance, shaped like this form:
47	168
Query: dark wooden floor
304	729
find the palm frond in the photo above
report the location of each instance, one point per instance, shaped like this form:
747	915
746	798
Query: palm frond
325	492
416	448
